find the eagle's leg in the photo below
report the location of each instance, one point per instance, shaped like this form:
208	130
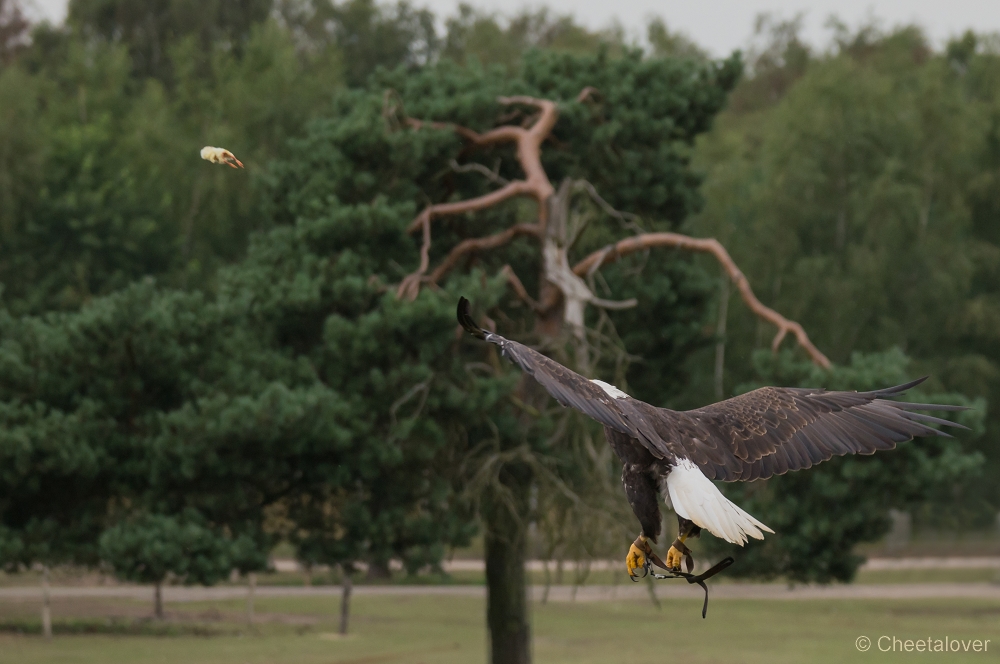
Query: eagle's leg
640	489
637	557
678	550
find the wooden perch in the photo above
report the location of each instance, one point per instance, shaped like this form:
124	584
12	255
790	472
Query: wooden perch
711	246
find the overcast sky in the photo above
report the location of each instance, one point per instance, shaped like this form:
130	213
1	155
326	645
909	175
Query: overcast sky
724	25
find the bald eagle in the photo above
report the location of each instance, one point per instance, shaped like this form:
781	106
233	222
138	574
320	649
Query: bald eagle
766	432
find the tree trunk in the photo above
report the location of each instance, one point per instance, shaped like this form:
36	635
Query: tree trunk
548	582
378	570
345	599
505	516
251	587
158	600
46	605
506	544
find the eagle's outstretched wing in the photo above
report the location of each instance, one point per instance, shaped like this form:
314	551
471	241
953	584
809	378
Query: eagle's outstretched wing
567	387
772	430
753	436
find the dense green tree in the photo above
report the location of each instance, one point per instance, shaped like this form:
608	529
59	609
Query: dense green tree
99	433
371	35
666	43
75	409
153	411
150	547
99	179
149	29
317	291
869	166
97	187
493	39
632	148
13	30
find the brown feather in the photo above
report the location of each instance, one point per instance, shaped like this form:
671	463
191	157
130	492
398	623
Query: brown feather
765	432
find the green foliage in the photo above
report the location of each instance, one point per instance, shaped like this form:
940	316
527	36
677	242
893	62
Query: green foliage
80	395
150	547
633	144
100	181
13	30
491	39
383	484
372	36
854	200
150	28
671	44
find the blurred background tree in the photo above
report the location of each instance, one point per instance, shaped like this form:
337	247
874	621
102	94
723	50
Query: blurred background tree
151	29
96	183
852	187
14	28
495	39
151	547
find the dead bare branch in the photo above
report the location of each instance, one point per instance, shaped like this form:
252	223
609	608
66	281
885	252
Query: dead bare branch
464	132
587	94
614	304
629	220
536	185
560	282
479	244
420	388
516	188
491	175
714	247
518	287
410	286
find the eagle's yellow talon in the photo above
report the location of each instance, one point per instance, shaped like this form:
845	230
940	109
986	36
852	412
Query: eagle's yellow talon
674	558
636	558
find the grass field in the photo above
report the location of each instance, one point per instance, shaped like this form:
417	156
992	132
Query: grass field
609	577
450	630
62	577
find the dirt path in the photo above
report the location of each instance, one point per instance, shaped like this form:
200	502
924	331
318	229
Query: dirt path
664	590
466	565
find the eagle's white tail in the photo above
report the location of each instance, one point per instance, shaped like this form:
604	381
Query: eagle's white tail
695	497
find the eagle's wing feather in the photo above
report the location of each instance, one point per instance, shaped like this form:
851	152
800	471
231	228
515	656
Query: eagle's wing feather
568	387
769	431
773	429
